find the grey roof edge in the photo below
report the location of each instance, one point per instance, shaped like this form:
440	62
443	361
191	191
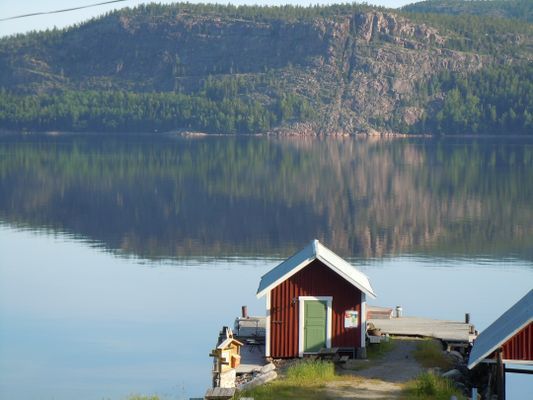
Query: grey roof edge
305	255
301	259
479	359
522	306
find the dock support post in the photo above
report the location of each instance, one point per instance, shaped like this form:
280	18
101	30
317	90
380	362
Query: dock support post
500	375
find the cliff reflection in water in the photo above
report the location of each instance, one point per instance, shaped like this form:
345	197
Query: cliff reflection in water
172	197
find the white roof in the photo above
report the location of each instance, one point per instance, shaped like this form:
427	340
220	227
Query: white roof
501	330
227	342
314	251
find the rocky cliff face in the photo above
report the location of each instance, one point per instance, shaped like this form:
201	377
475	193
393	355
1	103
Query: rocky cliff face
358	70
369	68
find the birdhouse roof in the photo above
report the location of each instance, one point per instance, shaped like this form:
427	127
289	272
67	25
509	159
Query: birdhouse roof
227	342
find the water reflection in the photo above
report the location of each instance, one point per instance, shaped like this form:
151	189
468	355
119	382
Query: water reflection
84	324
79	323
163	197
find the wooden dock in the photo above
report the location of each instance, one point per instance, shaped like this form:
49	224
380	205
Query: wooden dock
251	331
447	331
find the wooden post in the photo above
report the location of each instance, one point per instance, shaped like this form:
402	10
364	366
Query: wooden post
500	375
504	383
488	391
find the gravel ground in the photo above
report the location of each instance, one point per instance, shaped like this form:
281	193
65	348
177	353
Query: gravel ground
377	379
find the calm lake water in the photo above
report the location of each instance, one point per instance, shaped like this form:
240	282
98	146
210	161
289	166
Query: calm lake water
122	256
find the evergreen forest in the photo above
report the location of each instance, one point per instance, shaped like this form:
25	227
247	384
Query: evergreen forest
442	67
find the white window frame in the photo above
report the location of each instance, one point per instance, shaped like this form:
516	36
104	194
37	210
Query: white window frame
267	326
363	320
301	300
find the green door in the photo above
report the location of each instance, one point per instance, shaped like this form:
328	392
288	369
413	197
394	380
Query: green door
315	313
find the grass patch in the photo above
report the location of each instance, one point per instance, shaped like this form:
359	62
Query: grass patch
430	386
429	353
311	372
282	391
376	351
301	381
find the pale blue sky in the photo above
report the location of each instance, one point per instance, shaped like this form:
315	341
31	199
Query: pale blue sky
10	8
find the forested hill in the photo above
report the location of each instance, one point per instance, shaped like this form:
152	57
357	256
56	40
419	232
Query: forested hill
309	70
519	9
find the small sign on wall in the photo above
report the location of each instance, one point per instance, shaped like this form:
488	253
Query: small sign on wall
351	319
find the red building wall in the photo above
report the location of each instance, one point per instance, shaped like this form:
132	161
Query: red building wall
315	279
520	346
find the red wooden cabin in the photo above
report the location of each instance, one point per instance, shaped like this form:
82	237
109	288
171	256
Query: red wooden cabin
508	340
314	300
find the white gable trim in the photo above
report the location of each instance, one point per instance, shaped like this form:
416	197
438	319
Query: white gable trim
363	319
267	326
345	276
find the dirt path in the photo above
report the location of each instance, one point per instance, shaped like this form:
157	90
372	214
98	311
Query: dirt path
365	389
378	379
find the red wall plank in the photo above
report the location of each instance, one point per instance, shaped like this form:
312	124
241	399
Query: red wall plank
520	346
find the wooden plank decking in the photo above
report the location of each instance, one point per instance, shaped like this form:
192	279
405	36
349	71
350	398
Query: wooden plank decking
448	331
252	358
219	393
251	331
375	312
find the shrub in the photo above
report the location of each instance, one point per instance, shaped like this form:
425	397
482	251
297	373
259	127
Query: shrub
378	350
429	353
301	382
431	386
